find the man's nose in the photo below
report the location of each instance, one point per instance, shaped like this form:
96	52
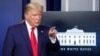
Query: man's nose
38	17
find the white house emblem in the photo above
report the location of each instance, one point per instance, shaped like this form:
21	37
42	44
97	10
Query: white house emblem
77	37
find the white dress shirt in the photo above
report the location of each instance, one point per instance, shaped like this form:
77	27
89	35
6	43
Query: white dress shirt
36	32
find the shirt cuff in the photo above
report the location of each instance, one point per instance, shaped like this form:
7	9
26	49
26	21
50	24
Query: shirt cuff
53	40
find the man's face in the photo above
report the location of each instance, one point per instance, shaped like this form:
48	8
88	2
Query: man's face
33	17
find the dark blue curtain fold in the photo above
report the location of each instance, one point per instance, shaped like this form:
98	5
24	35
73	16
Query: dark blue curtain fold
57	5
50	5
24	2
53	5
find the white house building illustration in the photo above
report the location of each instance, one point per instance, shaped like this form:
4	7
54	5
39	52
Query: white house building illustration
77	37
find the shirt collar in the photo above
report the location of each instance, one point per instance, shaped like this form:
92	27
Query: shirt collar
28	25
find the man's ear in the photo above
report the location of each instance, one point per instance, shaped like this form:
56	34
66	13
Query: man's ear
26	15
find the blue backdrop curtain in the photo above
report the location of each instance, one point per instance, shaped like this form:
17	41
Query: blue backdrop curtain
10	14
53	5
23	6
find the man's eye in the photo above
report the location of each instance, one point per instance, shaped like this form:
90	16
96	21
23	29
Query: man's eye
34	15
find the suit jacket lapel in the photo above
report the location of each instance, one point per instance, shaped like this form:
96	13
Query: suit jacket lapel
40	37
27	40
26	36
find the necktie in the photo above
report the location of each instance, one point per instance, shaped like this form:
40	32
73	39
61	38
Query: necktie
34	43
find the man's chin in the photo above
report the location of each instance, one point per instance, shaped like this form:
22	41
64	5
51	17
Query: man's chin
37	25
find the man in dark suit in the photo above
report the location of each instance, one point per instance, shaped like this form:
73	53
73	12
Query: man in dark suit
19	38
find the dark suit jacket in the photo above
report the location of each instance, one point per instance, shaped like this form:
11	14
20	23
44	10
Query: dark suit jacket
17	42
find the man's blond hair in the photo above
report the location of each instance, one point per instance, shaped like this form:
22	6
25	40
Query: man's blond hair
33	6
